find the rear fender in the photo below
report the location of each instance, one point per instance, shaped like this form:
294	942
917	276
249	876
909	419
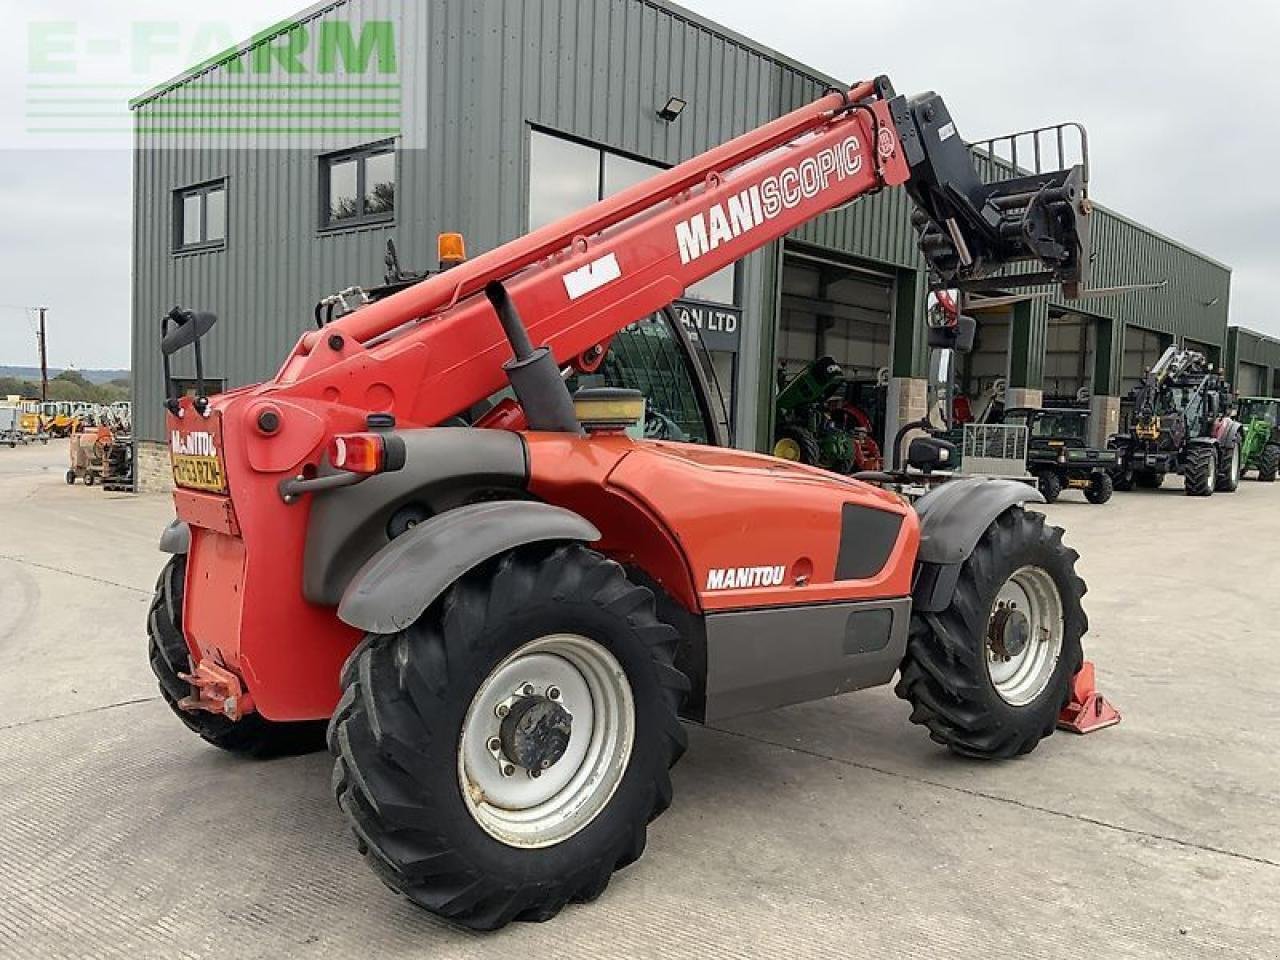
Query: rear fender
1229	434
445	468
403	579
953	519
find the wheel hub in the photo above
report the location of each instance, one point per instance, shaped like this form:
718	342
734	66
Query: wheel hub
786	449
535	733
1008	632
546	740
1024	635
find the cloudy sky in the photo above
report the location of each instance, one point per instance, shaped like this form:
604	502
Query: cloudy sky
1180	98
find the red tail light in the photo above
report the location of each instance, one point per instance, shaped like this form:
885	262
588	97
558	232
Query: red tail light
359	452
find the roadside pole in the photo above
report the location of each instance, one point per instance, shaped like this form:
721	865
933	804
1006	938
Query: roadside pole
44	360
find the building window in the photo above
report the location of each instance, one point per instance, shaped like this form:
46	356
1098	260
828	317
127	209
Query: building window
200	217
358	187
565	176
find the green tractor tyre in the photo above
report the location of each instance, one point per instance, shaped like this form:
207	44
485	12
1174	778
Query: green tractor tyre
1269	463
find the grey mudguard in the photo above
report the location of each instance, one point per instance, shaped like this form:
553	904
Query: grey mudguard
404	578
953	518
176	538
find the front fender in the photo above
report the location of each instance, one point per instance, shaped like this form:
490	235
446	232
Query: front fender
953	519
176	539
405	577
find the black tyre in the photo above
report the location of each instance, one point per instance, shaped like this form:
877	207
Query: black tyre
1149	479
1229	469
961	672
1269	463
1100	487
71	477
1200	474
253	735
1050	486
1123	480
798	445
415	721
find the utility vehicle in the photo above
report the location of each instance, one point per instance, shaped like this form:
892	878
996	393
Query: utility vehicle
501	603
1059	456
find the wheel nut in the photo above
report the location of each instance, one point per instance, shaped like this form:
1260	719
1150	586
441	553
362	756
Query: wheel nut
502	709
553	693
508	770
535	774
528	690
495	744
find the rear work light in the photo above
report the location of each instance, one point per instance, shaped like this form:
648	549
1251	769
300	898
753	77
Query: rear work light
367	453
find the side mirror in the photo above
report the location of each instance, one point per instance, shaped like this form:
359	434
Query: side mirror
187	329
958	337
927	454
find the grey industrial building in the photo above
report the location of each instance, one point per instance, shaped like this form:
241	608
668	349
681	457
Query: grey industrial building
274	175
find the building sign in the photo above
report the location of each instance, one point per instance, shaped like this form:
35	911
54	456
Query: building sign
718	326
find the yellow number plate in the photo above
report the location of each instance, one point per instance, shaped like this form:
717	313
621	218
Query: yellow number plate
199	473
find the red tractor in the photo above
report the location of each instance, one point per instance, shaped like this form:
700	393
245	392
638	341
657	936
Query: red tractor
502	619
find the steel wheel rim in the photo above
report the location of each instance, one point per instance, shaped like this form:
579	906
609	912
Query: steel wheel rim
787	449
1235	465
1019	676
524	810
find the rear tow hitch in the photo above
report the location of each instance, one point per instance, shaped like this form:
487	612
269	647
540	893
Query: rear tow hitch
216	689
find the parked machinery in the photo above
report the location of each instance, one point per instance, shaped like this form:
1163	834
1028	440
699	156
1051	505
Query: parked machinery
817	423
1260	448
11	432
1059	455
502	619
1180	424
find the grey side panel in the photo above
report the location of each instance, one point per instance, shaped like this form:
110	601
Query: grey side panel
405	577
759	659
954	516
444	468
176	538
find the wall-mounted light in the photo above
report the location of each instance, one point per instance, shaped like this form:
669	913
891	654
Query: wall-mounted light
671	112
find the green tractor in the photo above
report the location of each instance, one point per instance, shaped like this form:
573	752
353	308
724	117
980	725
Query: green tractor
818	426
1260	448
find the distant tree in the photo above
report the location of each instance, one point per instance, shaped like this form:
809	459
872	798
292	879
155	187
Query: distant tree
74	376
12	386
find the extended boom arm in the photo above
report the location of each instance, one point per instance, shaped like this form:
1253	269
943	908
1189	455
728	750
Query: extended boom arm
579	281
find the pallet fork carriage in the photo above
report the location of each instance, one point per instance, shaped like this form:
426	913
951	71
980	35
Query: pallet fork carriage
500	610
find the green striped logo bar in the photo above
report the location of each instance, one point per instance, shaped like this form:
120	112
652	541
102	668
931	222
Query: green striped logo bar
328	77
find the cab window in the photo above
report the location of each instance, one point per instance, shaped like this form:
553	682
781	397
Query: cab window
647	356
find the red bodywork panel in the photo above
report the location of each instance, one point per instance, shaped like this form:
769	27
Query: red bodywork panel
681	512
437	348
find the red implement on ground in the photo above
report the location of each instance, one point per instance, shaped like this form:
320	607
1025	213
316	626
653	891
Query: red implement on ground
503	615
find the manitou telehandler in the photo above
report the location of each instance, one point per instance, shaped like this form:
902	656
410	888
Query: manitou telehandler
503	614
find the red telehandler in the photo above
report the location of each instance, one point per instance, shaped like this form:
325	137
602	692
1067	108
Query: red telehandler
502	619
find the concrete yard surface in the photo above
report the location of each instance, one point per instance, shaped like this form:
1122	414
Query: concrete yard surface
830	829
